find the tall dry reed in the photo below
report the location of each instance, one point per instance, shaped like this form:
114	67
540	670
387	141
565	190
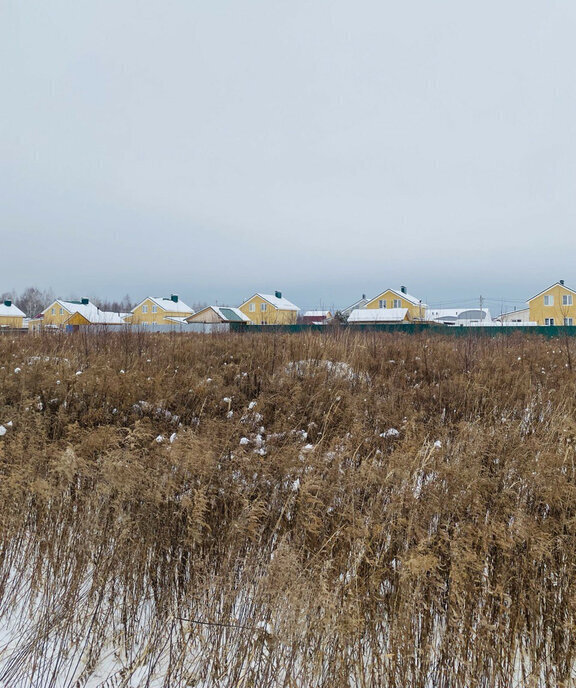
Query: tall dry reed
311	510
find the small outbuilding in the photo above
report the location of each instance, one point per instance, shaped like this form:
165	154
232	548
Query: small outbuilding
316	317
219	314
371	316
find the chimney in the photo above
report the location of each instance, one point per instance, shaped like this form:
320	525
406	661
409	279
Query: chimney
562	282
174	297
8	303
85	301
363	296
278	294
403	290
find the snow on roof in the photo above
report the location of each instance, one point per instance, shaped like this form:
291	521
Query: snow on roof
11	311
458	314
89	311
229	313
106	318
377	315
357	304
166	304
225	313
180	319
518	311
556	284
280	303
403	295
316	314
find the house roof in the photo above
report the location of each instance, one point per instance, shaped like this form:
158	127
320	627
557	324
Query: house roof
226	313
180	319
11	311
556	284
403	295
455	314
166	304
357	304
89	311
377	315
230	314
316	314
517	311
281	303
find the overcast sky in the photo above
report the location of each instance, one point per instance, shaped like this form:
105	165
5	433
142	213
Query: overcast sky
325	148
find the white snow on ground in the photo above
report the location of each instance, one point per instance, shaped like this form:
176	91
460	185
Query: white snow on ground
339	369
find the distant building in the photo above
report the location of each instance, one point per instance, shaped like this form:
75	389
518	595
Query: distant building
268	309
316	317
11	315
160	310
75	313
219	314
554	306
392	299
370	316
361	303
519	316
460	317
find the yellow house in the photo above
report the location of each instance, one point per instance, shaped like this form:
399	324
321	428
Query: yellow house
71	313
554	306
399	299
268	309
160	310
11	315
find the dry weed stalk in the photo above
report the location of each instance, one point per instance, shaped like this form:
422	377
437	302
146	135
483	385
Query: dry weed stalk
345	510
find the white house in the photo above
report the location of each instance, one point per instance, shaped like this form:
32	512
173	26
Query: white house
459	317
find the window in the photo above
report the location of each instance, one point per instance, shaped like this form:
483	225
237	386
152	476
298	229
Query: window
549	300
397	303
566	299
154	309
61	311
549	321
568	321
53	311
144	309
252	307
382	303
262	307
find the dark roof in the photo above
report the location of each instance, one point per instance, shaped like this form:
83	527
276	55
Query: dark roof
229	314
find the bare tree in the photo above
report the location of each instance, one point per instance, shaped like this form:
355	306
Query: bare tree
33	300
125	305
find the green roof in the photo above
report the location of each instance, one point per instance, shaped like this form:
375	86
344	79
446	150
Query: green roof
229	314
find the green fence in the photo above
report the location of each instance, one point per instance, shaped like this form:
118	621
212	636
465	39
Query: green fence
550	331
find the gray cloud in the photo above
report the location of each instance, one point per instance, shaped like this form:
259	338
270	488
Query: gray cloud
326	149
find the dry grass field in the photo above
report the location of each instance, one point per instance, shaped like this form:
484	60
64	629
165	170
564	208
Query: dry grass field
304	511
